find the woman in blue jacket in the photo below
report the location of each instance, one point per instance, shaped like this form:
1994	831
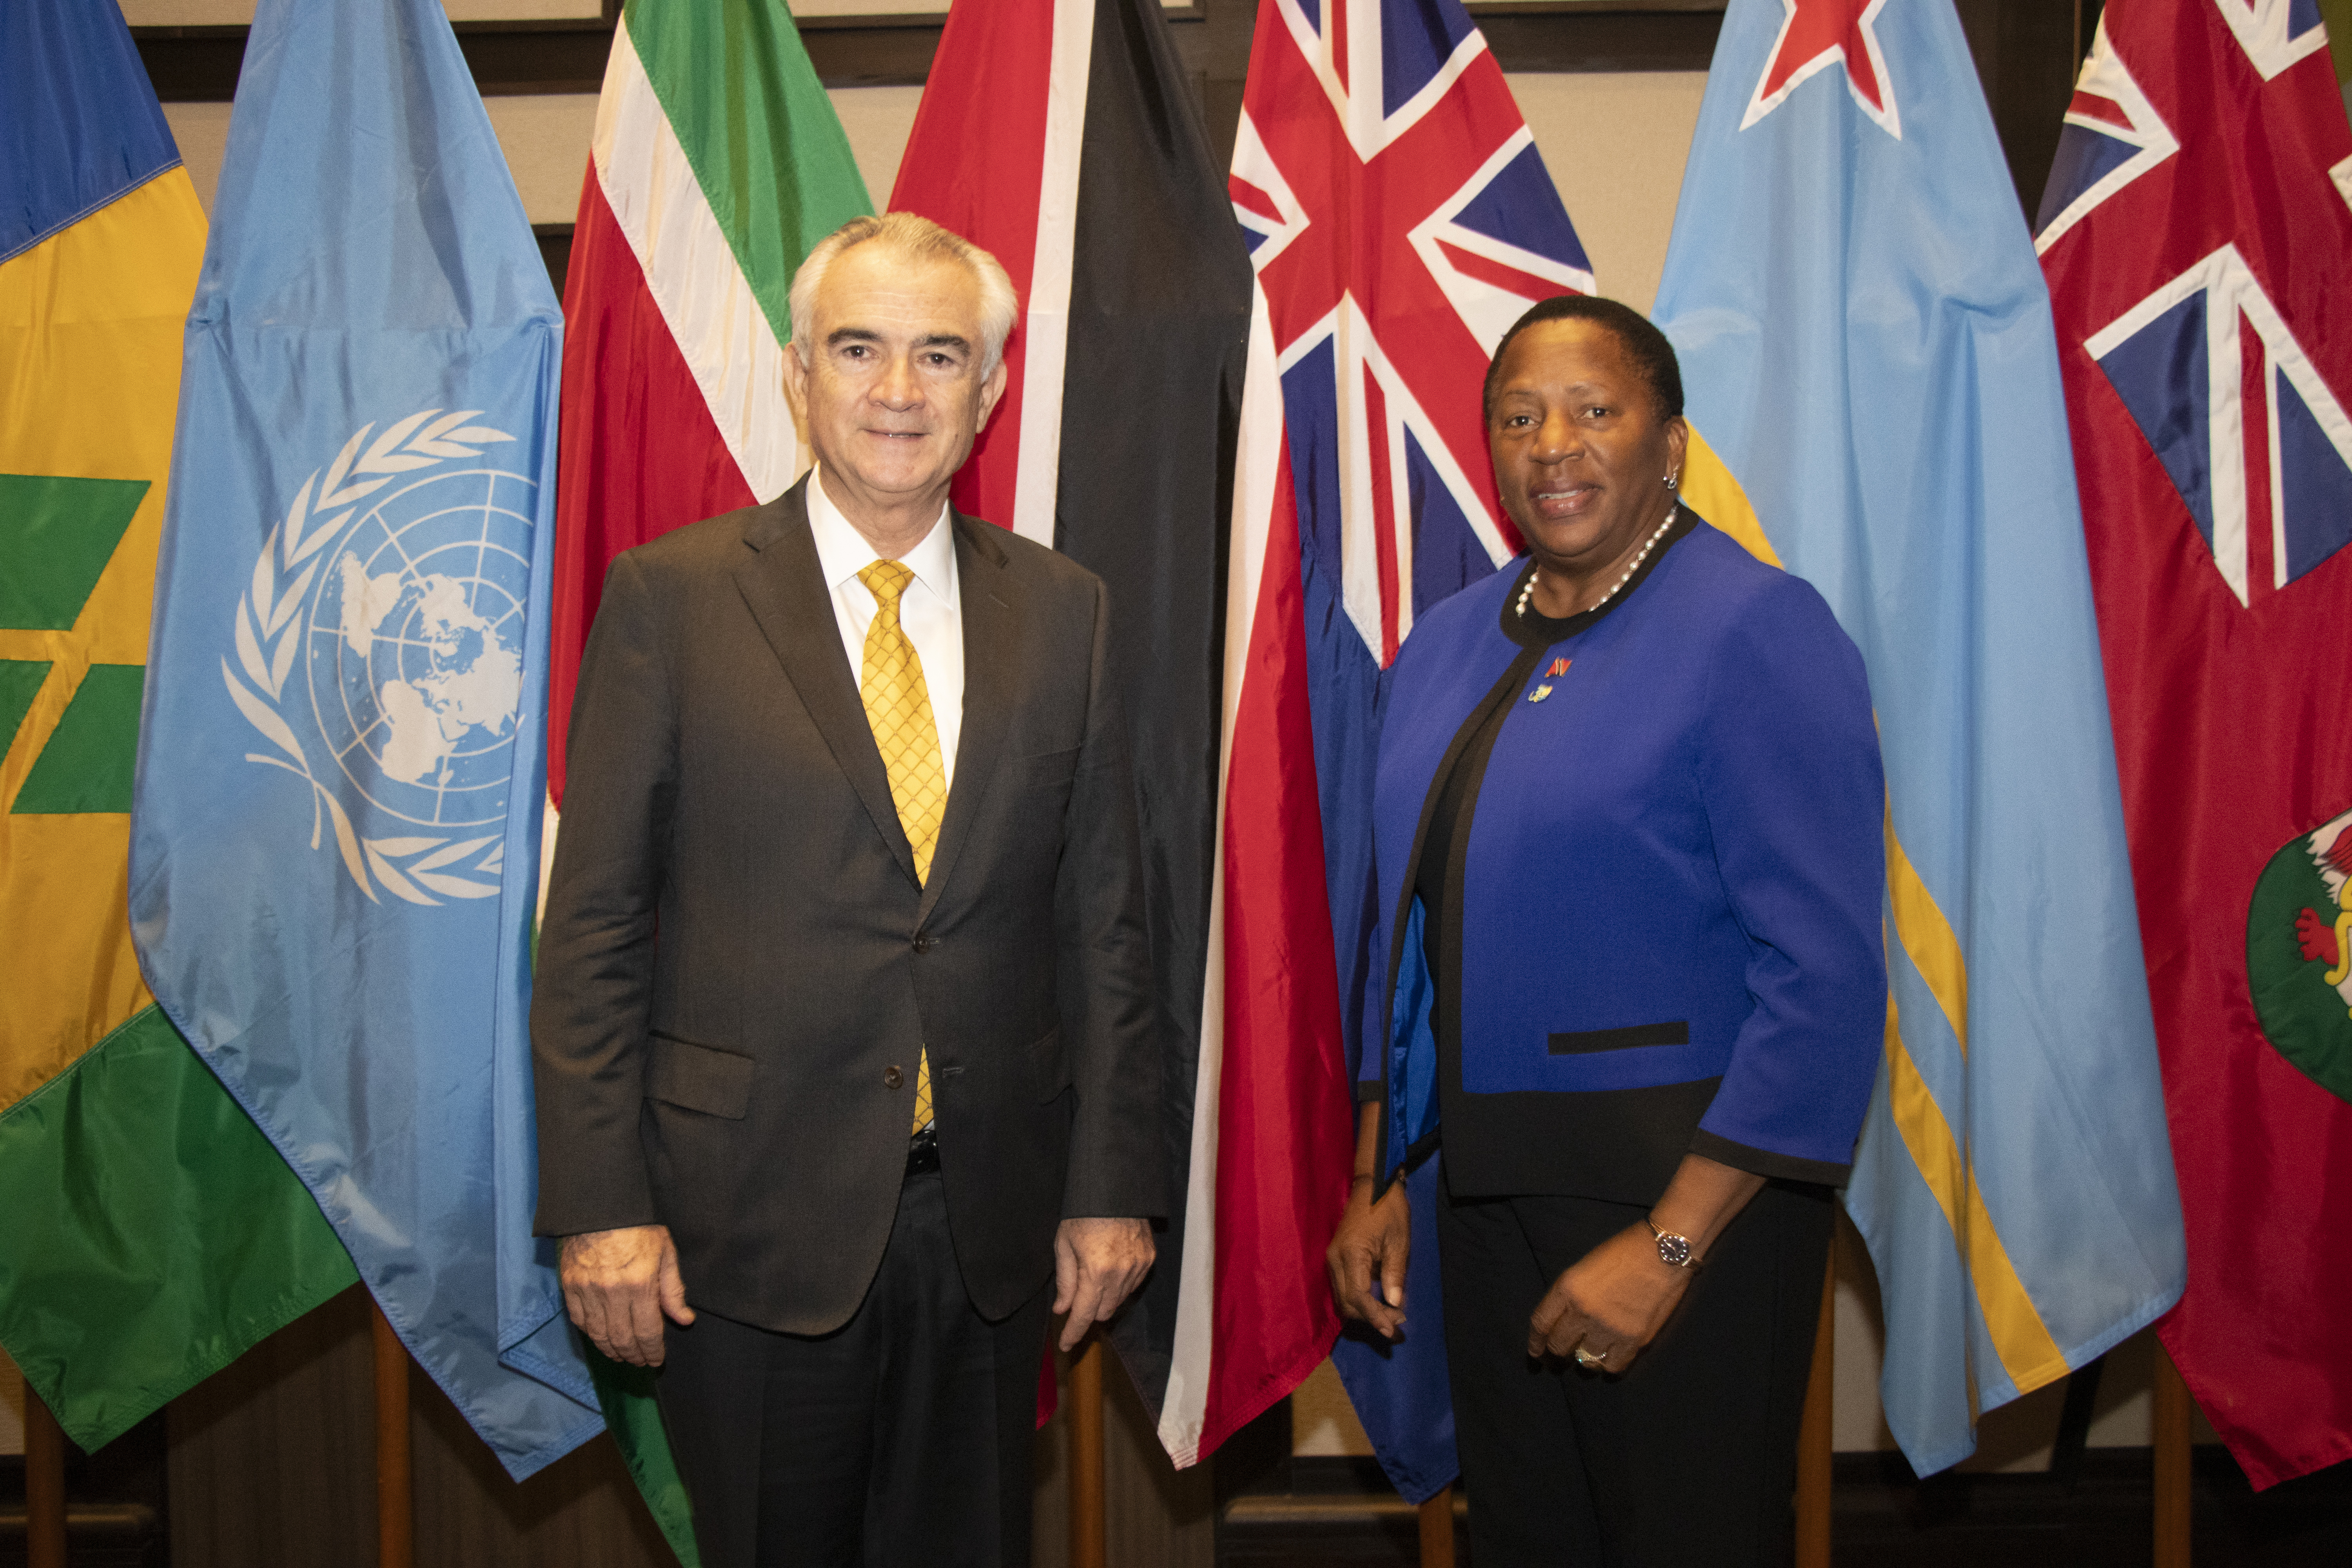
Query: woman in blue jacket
1627	824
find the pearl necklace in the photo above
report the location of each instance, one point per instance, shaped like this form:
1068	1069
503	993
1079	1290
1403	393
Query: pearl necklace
1673	512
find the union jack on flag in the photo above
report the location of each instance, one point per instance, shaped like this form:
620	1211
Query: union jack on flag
1399	220
2209	361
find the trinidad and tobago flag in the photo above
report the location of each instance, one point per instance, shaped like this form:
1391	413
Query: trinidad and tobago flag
1060	136
1399	221
2198	248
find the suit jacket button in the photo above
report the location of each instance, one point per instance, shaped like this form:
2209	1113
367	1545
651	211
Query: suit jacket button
892	1077
925	943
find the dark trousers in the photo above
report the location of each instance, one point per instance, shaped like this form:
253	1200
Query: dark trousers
902	1437
1687	1460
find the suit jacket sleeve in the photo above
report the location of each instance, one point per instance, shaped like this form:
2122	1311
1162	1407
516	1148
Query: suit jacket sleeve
1104	971
1795	799
593	987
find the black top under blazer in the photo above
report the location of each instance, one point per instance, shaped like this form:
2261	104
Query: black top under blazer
746	1076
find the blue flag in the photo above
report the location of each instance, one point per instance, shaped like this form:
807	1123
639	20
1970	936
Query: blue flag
335	849
1867	348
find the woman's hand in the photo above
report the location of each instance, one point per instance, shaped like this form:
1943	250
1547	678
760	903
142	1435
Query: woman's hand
1615	1299
1612	1302
1367	1257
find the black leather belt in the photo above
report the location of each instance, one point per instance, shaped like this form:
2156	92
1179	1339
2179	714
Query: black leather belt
923	1152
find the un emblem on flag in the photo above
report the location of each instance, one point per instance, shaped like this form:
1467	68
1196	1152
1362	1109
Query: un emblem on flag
398	584
2299	953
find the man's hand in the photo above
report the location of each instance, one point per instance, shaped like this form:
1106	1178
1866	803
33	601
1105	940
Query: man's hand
618	1285
1613	1301
1098	1263
1368	1254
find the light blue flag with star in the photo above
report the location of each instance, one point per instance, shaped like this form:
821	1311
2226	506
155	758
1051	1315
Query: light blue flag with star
1872	377
335	833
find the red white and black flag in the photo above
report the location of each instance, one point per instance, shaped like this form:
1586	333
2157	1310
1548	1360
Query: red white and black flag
1060	136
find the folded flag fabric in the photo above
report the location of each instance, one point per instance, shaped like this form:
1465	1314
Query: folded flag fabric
1872	382
2198	248
334	847
152	1235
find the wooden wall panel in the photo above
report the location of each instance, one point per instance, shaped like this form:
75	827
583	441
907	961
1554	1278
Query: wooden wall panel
271	1467
270	1464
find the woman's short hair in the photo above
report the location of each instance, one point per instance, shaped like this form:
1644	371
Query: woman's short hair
912	238
1653	355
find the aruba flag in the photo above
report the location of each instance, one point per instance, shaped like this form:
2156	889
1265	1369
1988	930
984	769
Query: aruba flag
1873	382
152	1235
335	844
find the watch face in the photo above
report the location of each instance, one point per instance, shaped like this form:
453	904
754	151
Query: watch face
1674	1250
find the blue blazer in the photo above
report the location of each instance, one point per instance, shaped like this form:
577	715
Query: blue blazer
1669	902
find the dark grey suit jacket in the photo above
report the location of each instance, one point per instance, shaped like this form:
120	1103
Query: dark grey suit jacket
737	964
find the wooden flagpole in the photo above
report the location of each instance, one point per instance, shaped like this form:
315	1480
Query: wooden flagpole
1088	1542
395	1502
45	1485
2170	1421
1437	1529
1813	1429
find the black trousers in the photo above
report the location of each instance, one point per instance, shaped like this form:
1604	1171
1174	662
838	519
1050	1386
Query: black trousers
902	1437
1687	1460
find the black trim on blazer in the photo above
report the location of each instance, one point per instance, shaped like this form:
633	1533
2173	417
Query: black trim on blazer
1576	1042
1499	695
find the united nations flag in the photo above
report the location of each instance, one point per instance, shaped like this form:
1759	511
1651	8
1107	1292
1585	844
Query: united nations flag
335	826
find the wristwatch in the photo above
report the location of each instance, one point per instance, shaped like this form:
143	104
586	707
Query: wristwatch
1673	1252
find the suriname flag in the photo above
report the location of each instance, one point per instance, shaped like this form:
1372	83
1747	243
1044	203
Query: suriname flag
153	1234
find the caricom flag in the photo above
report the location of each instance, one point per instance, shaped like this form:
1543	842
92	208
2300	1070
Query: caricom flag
1873	386
152	1235
2198	248
334	852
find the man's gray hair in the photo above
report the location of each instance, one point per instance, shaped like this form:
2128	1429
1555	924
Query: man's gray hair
911	237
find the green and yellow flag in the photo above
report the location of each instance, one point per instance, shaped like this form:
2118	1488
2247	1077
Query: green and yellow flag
153	1234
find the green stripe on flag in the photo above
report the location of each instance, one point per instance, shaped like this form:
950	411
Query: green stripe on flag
57	535
88	764
759	131
20	682
153	1236
626	1393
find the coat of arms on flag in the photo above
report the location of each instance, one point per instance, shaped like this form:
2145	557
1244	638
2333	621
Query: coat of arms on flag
2299	953
383	632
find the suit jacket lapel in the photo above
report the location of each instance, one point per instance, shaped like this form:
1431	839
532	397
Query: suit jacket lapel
785	586
992	636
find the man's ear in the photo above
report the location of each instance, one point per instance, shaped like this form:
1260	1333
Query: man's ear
990	391
796	374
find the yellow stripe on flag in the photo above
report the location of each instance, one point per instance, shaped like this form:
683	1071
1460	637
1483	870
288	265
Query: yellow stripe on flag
1714	493
92	322
1927	935
2030	1356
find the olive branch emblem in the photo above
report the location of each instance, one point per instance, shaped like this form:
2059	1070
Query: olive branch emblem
269	634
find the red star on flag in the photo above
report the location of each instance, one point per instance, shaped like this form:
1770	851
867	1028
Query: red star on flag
1816	35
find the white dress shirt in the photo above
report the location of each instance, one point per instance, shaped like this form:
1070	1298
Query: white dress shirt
930	610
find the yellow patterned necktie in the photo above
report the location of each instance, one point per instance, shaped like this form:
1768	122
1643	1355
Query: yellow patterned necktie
899	707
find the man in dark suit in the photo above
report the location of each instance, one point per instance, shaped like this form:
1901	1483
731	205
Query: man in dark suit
842	1031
